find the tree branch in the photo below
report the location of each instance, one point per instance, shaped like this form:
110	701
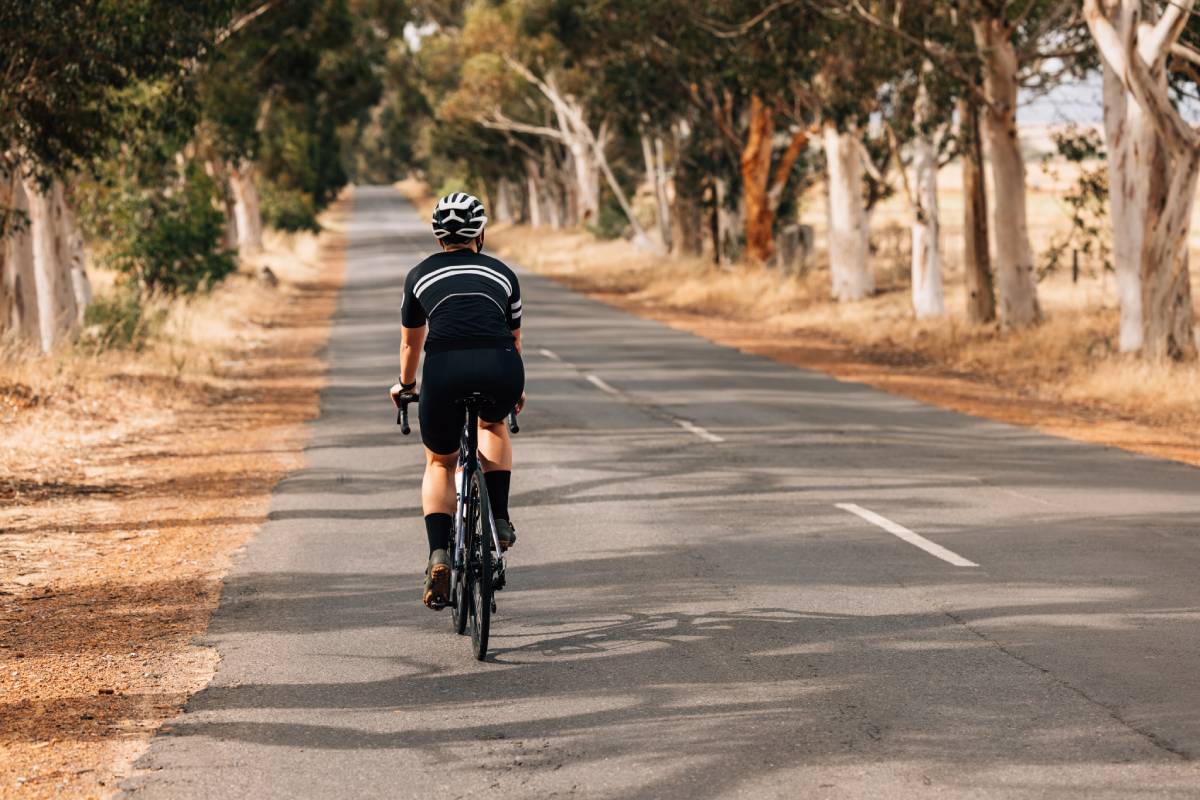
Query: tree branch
499	122
1168	29
783	169
1180	50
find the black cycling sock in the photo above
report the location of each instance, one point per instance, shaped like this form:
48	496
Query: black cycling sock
437	528
497	487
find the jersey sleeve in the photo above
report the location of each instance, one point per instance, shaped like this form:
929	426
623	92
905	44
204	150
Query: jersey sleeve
412	313
514	304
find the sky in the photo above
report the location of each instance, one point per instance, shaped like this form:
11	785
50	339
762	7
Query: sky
1080	102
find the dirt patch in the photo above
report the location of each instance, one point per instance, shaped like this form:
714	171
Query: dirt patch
122	498
1063	377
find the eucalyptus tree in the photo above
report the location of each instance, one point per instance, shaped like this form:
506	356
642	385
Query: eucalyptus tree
277	95
520	75
66	65
1011	43
1149	66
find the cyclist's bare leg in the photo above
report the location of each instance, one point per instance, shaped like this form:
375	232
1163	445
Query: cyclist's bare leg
495	448
437	501
437	487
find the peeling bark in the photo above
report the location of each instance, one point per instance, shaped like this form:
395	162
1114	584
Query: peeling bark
18	289
657	178
1166	282
1130	141
849	228
756	172
927	296
977	261
1019	305
1157	163
56	254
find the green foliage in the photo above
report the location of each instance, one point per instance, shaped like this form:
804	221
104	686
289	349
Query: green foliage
174	238
66	63
1089	238
287	90
288	209
120	320
611	222
153	213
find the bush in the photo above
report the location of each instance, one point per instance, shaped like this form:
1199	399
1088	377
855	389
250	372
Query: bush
168	235
611	222
120	320
288	209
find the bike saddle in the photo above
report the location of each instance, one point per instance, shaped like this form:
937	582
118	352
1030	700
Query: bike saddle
474	399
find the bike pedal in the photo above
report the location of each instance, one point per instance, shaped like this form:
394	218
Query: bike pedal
493	606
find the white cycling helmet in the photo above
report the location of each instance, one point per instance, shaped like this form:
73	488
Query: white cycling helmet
458	217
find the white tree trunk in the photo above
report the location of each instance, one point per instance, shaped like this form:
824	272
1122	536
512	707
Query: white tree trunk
1129	138
51	230
18	286
73	255
927	295
246	208
1017	288
587	180
533	191
504	205
657	178
1154	162
849	227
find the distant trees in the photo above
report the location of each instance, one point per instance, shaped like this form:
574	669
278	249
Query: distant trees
167	135
170	136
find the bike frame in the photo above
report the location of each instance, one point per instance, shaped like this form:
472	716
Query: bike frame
468	464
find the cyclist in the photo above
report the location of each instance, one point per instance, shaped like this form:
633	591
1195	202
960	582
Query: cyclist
471	305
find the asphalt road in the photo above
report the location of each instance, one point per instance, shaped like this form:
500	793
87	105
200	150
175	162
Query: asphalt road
691	613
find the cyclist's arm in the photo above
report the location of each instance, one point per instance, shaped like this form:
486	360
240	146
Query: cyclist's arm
412	330
411	340
517	340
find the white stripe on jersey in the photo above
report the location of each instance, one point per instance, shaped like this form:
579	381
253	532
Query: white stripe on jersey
516	306
516	315
465	294
465	269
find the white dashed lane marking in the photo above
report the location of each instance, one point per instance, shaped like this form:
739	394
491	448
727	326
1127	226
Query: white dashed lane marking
915	539
692	427
609	389
601	384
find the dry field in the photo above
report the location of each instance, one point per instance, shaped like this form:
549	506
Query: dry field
127	480
1063	376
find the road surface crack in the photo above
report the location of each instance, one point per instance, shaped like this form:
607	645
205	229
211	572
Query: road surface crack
1155	739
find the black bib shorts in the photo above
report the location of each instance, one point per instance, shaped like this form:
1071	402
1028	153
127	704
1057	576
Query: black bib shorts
451	375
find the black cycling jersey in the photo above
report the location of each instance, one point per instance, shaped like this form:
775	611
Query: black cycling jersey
469	300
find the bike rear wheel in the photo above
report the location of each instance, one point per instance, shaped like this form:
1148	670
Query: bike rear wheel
481	566
460	595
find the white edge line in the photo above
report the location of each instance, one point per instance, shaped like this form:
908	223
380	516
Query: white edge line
692	427
601	384
550	354
915	539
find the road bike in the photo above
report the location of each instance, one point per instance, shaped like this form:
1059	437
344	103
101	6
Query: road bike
477	569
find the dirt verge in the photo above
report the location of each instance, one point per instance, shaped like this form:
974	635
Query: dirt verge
123	494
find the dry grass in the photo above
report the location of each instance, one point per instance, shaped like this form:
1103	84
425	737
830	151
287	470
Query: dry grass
1065	369
77	397
127	479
